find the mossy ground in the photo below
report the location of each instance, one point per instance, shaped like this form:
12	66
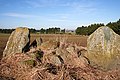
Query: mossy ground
31	63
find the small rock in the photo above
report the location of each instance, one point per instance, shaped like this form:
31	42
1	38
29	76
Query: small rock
48	45
39	41
51	58
70	57
36	42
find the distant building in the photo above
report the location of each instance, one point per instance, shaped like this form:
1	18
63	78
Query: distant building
70	31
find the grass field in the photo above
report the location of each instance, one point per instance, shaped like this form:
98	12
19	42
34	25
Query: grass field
79	40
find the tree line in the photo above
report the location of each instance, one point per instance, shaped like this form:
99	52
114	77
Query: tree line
115	26
42	31
48	31
87	30
83	30
6	30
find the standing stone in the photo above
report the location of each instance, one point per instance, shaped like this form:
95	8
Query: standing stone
104	48
18	42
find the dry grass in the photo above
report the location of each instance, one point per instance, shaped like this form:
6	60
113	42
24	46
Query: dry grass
79	40
3	41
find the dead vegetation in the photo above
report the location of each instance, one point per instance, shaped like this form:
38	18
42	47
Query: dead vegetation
56	58
61	63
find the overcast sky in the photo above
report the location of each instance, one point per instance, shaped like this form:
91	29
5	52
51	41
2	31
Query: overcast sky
67	14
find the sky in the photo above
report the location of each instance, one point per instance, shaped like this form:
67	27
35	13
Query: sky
68	14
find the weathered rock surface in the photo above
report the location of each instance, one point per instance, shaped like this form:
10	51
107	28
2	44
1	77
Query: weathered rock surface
48	45
70	57
36	42
39	41
51	57
104	48
18	42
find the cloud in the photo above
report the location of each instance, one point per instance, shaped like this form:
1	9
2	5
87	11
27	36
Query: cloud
34	4
56	3
19	15
57	20
42	3
60	17
85	6
79	6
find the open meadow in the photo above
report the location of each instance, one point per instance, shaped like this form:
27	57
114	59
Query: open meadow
79	40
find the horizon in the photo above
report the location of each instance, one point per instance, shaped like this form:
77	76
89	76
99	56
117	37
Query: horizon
68	14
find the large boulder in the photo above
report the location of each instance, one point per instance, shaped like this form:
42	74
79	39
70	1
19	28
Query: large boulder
104	48
18	41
